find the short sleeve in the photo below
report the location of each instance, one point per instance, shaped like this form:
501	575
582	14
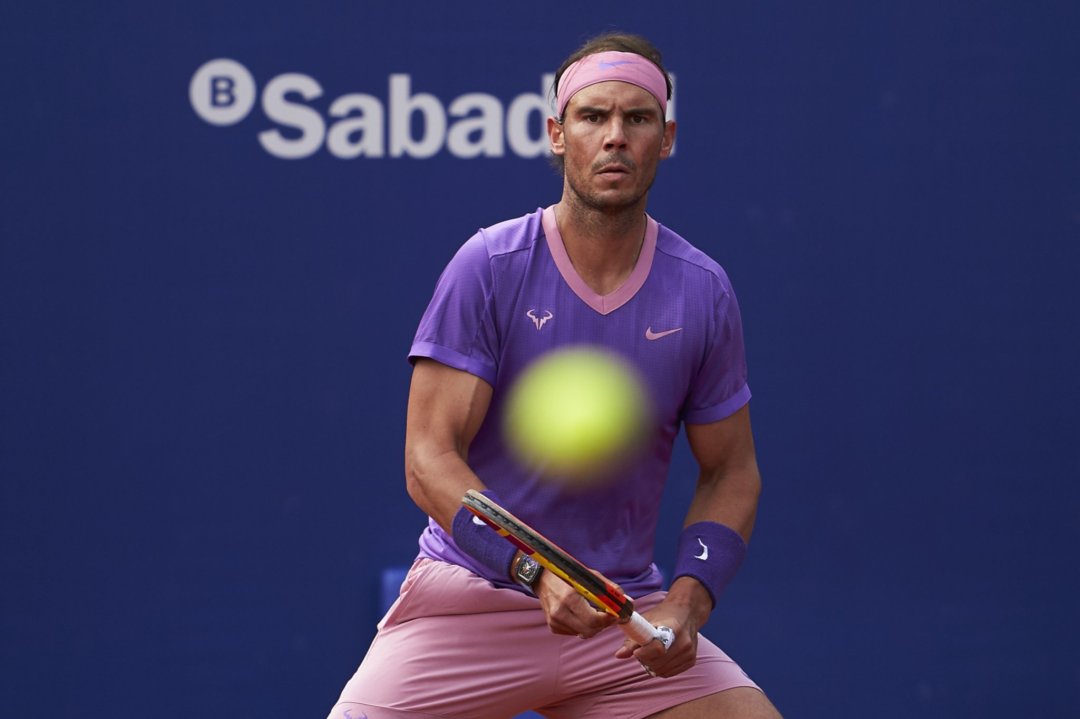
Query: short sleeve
457	328
720	387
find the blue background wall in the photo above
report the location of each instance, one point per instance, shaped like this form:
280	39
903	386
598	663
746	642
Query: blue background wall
202	346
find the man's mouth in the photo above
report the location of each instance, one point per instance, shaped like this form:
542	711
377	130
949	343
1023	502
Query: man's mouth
613	170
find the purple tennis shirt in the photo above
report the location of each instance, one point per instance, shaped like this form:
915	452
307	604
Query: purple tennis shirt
509	295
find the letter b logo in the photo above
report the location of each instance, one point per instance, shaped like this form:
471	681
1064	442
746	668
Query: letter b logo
222	92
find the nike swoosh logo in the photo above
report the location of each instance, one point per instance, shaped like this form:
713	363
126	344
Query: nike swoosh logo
704	551
478	522
650	335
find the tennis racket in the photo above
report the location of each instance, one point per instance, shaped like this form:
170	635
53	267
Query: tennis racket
601	592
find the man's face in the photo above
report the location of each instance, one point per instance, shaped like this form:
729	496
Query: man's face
611	139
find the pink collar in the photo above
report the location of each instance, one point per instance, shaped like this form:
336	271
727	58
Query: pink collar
604	304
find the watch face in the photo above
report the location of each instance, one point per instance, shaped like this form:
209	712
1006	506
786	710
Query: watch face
528	570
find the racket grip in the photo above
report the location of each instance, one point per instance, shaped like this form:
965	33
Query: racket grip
641	631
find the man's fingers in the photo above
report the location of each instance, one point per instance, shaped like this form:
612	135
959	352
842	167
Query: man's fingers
662	662
579	618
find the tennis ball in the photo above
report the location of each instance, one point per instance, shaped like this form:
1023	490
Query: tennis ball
574	413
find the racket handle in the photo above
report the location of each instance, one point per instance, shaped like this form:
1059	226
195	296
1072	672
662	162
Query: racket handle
641	631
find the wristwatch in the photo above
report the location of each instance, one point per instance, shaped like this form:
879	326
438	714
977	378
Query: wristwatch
527	571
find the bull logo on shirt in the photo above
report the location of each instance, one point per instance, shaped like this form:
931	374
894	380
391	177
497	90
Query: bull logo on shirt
537	320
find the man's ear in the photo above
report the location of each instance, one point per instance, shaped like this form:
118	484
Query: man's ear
556	136
668	142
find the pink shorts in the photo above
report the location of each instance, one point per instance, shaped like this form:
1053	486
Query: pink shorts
453	645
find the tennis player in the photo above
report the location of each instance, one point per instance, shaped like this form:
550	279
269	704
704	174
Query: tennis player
479	630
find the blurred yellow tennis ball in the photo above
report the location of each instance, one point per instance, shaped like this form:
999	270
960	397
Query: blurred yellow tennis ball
573	413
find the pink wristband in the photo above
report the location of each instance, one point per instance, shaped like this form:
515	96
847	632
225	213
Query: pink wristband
711	553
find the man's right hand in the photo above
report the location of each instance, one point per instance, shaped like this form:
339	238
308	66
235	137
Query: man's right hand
567	611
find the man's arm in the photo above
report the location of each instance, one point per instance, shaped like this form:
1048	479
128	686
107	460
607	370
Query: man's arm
727	492
446	408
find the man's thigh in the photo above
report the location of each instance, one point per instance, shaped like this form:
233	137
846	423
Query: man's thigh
453	645
737	703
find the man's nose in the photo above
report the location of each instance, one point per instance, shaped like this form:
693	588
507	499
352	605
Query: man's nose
615	134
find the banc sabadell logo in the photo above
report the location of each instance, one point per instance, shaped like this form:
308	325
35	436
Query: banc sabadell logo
362	125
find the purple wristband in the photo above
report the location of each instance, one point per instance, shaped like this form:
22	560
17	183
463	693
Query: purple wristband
481	542
710	553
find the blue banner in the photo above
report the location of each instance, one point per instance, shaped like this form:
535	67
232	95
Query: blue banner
221	222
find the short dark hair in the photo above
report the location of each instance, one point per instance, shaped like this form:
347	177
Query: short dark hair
617	41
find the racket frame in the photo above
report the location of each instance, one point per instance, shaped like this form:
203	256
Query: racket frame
600	591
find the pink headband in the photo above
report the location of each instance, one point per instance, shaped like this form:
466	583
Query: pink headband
612	65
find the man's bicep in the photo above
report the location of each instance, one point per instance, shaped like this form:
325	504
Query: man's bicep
729	483
725	444
446	406
446	409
